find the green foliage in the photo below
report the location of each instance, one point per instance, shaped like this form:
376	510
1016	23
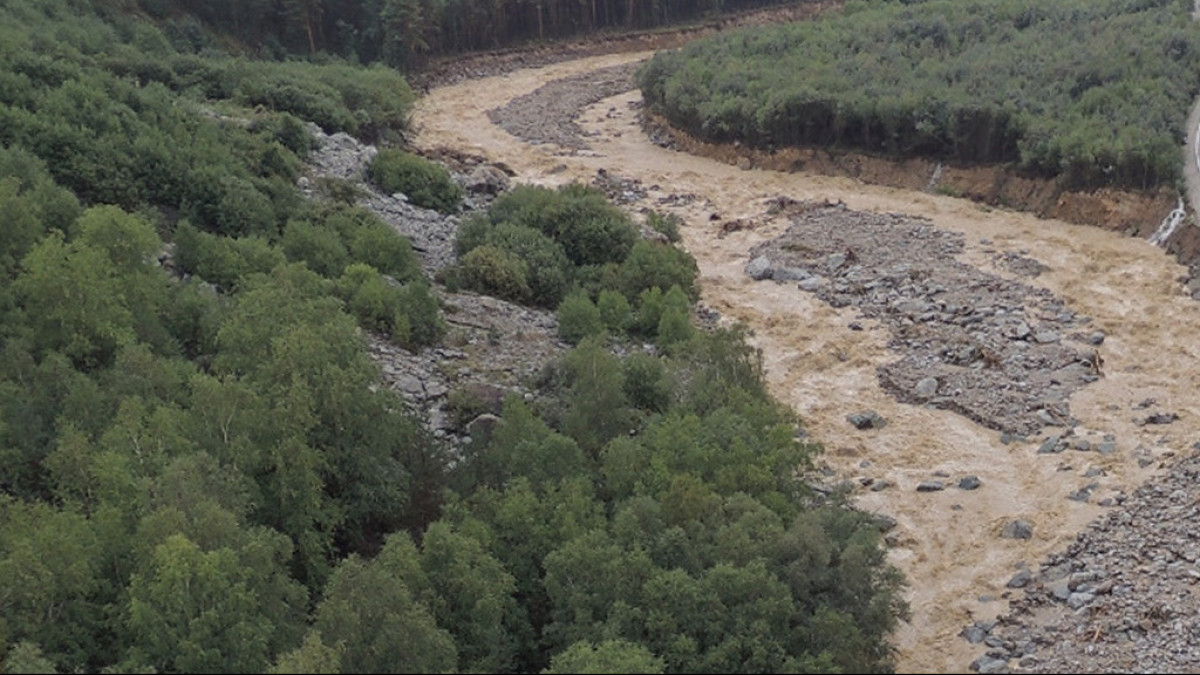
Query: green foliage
614	310
578	318
610	656
652	265
320	247
425	183
221	260
667	225
675	321
372	610
494	271
979	81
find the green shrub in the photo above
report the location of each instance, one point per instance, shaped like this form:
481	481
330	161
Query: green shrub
494	271
373	301
675	322
578	318
425	183
651	265
614	311
386	250
546	264
649	313
646	382
420	307
472	232
320	247
667	225
223	261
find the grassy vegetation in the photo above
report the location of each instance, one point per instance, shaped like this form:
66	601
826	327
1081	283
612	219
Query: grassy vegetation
1093	92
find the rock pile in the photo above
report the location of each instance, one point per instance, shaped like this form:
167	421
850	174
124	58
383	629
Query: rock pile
493	348
1124	597
994	350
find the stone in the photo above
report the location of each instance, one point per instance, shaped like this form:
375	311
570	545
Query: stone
487	179
790	274
1020	579
759	268
810	284
1045	337
931	486
969	483
926	388
1048	446
868	419
1077	600
1017	529
482	427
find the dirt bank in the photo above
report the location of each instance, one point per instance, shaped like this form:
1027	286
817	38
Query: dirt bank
1132	213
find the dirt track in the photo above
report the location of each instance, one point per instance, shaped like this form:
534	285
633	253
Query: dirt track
946	542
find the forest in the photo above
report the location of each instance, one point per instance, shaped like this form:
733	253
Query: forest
1089	92
408	33
201	472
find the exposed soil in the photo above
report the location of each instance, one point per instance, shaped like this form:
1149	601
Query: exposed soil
1133	213
825	359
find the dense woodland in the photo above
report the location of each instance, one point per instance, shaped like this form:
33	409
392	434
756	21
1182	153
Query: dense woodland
406	33
199	469
1094	92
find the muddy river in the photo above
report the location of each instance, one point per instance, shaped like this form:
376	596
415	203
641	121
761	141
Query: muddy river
947	543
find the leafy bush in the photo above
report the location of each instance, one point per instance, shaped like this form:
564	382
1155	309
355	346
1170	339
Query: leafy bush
667	225
374	302
320	247
651	265
546	264
578	318
223	260
425	183
494	271
614	311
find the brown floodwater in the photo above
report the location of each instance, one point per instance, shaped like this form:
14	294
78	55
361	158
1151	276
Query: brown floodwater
946	543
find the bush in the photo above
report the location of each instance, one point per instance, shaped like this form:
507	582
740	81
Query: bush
425	183
546	264
320	247
578	318
222	260
419	305
675	322
494	271
651	265
614	311
373	301
667	225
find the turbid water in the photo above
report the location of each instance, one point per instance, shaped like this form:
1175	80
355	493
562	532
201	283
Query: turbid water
947	543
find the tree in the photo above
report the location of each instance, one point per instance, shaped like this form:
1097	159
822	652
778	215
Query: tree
598	408
578	318
473	599
372	609
194	611
74	302
610	656
312	656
